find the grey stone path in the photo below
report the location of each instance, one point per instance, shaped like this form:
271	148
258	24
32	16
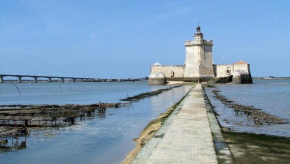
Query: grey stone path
185	137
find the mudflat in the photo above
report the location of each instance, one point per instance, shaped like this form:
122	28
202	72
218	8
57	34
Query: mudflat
257	148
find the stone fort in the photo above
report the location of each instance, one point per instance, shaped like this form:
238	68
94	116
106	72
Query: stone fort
199	66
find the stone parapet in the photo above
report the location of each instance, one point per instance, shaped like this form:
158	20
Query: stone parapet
198	42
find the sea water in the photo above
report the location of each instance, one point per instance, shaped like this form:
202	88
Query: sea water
70	93
272	96
103	139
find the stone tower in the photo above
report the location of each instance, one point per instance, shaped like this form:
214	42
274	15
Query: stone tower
198	60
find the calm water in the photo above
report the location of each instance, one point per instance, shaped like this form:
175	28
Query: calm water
72	93
272	96
100	140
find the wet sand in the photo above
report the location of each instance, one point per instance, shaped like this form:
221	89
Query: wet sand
255	148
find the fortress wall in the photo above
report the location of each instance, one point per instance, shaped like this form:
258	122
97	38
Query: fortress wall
191	61
206	71
207	57
198	61
224	70
206	67
199	65
242	68
169	70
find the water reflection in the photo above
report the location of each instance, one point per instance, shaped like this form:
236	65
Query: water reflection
12	144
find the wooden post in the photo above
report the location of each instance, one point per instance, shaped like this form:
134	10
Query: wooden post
26	123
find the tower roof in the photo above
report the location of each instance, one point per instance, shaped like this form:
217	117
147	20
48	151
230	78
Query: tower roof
198	27
241	62
156	63
198	33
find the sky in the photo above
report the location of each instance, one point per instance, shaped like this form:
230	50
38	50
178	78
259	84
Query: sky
122	39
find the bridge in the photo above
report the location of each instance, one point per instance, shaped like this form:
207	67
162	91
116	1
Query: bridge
49	78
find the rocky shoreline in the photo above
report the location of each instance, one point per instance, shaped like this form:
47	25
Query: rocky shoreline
148	94
257	115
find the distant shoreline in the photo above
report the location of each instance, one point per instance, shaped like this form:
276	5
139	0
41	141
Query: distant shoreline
274	78
71	81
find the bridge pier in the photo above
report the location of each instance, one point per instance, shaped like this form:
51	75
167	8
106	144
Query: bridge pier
49	80
19	79
74	80
35	79
62	80
1	79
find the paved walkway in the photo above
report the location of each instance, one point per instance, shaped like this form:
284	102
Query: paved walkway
185	137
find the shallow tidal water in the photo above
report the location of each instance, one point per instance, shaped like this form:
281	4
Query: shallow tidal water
103	139
272	96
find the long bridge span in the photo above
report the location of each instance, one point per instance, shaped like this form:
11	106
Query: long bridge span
49	78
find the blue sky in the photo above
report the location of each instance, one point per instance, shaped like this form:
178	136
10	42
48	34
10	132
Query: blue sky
121	39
